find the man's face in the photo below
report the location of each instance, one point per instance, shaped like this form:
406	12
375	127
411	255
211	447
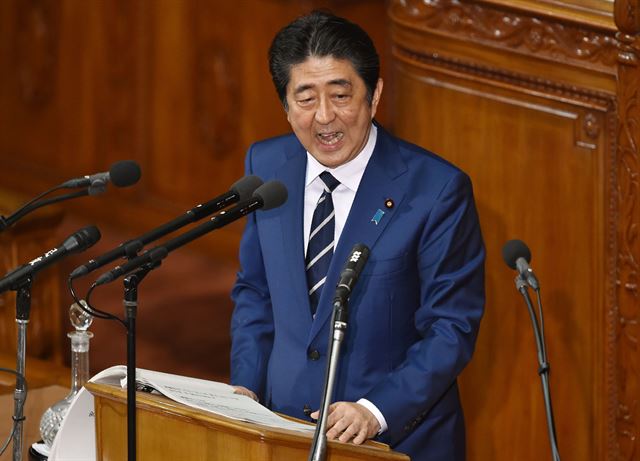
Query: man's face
328	109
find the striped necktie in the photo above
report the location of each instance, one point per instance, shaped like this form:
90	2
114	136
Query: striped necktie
320	246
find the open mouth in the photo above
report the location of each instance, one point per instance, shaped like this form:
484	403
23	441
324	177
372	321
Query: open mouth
330	139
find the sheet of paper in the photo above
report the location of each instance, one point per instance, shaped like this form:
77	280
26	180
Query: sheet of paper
217	398
76	438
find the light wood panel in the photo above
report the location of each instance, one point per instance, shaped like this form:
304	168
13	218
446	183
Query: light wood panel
202	435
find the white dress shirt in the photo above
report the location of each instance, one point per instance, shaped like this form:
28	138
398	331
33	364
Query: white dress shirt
349	175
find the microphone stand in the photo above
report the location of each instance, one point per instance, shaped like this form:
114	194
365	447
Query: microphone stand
23	308
543	363
130	302
339	320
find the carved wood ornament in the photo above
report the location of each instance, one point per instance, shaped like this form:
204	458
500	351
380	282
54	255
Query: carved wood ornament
627	378
499	27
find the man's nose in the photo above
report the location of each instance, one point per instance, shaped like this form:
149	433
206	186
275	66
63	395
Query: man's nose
324	113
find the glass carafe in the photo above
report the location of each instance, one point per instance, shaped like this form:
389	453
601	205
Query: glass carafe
52	418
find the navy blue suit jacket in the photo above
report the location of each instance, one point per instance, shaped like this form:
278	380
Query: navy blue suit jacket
413	316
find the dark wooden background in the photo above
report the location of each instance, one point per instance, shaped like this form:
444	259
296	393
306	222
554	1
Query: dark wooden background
536	100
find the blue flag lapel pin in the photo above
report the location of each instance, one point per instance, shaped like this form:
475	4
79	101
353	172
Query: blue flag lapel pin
378	216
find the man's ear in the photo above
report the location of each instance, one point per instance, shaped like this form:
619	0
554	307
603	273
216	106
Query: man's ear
377	93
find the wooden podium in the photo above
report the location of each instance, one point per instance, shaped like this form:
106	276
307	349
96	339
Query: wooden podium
170	430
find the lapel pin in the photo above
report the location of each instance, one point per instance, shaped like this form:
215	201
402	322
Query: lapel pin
388	203
378	216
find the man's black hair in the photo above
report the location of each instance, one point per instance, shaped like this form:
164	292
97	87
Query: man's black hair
322	34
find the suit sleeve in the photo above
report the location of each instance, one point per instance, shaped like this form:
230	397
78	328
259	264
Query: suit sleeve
252	319
451	271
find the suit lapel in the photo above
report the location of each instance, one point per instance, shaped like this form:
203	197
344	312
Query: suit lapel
381	181
292	174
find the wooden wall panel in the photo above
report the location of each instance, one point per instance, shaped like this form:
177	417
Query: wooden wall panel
509	145
182	87
525	102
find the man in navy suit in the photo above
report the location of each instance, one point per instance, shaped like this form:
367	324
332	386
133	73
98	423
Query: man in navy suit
415	312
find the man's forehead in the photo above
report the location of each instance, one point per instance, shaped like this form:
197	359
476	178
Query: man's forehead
323	71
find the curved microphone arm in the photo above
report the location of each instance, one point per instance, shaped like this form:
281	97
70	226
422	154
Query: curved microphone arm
36	203
543	363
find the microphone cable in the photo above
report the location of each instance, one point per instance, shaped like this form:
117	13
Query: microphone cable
90	309
22	383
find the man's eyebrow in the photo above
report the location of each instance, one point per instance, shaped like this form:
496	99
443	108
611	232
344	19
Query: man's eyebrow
343	82
340	82
300	88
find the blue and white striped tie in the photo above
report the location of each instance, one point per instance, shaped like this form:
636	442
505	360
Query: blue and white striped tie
320	246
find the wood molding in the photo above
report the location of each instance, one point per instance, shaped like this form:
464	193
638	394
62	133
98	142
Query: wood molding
506	28
625	372
543	87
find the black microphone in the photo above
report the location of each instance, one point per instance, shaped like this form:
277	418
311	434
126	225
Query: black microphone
241	190
79	241
517	256
351	271
348	278
124	173
270	195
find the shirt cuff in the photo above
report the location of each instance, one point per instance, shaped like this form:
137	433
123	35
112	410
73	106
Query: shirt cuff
373	409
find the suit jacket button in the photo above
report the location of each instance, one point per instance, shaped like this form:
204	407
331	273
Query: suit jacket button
314	354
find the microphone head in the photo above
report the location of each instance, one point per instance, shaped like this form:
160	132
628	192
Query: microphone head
513	250
245	187
124	173
87	237
82	239
357	259
272	194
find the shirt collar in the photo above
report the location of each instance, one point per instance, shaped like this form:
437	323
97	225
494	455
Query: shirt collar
350	173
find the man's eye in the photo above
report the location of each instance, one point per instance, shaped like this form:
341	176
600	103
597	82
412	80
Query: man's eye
305	101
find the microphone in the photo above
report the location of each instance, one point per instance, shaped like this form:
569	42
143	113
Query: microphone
76	242
241	190
348	278
124	173
351	271
270	195
517	256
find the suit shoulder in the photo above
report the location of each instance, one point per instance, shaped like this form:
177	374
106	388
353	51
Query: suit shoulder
269	154
277	142
417	156
427	169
